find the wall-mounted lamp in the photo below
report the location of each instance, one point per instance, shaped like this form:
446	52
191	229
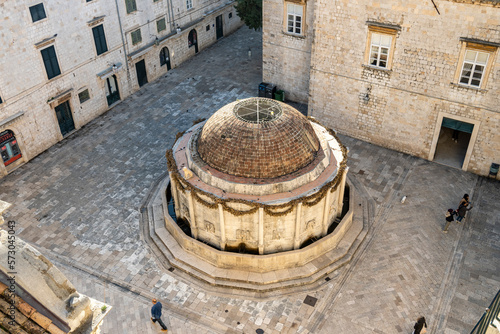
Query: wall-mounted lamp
366	97
157	41
249	53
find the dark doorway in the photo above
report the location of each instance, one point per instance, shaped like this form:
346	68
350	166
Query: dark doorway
65	118
193	40
142	76
165	58
218	27
453	142
9	147
112	93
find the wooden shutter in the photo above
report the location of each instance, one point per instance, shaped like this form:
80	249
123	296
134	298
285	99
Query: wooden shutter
100	39
50	62
131	6
37	12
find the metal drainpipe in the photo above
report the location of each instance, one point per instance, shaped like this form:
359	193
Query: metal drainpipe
123	39
173	14
169	16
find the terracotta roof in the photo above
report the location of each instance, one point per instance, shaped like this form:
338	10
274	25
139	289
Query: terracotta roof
258	138
26	319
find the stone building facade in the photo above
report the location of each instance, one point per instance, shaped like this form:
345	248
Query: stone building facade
63	63
420	77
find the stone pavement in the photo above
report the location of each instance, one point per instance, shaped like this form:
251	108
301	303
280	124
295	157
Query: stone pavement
79	202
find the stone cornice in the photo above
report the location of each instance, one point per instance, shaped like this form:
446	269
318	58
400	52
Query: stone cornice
494	3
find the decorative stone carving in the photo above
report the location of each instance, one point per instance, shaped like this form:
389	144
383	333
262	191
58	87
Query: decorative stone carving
243	235
310	224
277	234
209	227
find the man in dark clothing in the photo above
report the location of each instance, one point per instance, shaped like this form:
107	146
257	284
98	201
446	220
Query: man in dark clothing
156	315
449	218
463	208
420	326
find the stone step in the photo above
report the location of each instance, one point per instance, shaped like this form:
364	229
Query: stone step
206	273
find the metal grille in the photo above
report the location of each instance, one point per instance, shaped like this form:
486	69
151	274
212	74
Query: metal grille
258	110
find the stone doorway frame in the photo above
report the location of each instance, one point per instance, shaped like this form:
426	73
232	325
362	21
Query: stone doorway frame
437	131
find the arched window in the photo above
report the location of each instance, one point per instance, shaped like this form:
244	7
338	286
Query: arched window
193	40
9	147
165	57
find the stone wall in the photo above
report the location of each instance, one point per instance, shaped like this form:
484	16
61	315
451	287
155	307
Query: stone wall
286	58
401	107
29	98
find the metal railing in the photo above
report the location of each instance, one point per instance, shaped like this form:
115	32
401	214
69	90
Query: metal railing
488	317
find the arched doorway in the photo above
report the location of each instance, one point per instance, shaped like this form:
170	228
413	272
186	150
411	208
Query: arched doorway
193	40
165	58
112	92
9	147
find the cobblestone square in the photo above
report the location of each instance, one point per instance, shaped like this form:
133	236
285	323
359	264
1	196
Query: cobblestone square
79	202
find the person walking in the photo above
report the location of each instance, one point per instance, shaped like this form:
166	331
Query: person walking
156	314
420	326
450	214
463	208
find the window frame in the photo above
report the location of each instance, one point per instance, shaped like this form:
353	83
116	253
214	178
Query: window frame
490	50
303	18
43	9
384	31
130	6
139	35
82	92
164	24
44	60
102	39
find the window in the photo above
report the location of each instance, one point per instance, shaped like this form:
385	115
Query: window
380	45
294	18
161	25
37	12
136	36
230	15
207	27
9	147
50	61
99	39
164	57
1	100
131	6
475	62
379	49
473	67
84	96
189	4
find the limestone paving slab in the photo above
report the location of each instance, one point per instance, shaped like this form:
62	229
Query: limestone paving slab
79	202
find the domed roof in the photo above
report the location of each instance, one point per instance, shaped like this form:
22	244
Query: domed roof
258	138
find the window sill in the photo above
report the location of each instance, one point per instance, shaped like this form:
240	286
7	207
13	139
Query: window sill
383	69
41	20
472	88
293	35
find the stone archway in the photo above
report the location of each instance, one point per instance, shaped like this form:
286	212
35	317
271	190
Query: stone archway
193	40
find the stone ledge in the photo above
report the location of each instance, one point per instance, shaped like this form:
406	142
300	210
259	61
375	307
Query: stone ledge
256	282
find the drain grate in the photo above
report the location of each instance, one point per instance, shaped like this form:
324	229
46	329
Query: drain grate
171	269
310	300
259	331
327	279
